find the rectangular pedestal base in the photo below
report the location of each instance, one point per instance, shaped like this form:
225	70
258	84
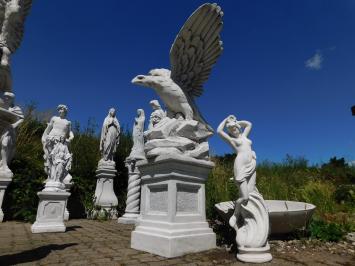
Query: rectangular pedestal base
39	227
50	213
171	246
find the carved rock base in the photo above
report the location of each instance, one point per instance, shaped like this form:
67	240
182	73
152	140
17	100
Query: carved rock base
50	213
173	220
254	255
104	195
4	182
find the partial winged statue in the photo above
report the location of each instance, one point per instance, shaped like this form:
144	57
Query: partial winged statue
13	14
192	56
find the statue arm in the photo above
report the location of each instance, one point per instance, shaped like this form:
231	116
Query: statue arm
223	134
17	123
247	127
71	134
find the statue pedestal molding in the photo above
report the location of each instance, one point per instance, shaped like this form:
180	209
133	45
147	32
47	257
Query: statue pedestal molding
173	219
4	182
104	195
254	255
50	213
66	212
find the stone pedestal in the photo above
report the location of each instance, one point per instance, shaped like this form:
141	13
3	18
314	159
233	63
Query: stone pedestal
50	213
68	185
104	194
254	255
173	221
4	182
132	210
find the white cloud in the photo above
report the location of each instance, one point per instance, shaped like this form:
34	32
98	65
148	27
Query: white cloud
315	62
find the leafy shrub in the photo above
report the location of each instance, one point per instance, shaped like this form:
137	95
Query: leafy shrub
345	194
326	231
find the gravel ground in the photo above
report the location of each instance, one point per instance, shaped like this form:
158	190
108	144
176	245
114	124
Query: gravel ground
89	242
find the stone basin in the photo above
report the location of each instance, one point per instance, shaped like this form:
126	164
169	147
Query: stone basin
7	118
285	216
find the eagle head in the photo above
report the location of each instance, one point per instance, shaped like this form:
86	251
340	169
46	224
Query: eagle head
157	78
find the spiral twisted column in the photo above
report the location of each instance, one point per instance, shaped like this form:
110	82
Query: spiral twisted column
133	194
133	189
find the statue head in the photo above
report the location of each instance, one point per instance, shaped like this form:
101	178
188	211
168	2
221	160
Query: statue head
112	112
233	126
156	117
157	78
62	139
9	99
140	112
62	110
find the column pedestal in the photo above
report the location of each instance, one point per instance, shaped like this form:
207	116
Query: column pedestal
104	194
173	221
50	213
132	210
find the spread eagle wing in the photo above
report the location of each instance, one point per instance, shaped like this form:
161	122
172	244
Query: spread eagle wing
2	12
195	50
13	23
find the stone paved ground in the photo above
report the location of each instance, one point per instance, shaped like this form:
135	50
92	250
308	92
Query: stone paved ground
88	242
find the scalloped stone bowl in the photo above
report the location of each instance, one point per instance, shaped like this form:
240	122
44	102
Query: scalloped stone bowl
285	216
6	118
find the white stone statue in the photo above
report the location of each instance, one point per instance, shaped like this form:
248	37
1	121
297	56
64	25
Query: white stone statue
53	198
172	220
12	19
8	135
134	178
193	53
55	140
105	196
250	219
157	114
137	152
110	136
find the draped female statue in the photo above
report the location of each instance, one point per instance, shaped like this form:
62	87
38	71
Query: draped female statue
110	135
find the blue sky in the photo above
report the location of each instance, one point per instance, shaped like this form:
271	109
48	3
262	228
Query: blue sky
287	66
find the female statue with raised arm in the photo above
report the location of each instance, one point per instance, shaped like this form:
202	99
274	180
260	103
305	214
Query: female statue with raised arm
110	135
245	161
250	219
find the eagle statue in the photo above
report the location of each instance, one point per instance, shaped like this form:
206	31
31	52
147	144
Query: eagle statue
194	52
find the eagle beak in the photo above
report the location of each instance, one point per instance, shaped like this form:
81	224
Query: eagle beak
139	79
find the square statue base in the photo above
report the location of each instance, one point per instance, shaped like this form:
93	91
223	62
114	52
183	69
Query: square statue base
50	213
173	219
4	182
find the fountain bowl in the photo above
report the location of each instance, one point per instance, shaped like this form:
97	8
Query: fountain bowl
285	216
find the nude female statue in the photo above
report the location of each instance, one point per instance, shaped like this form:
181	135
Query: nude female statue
245	161
250	219
58	127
